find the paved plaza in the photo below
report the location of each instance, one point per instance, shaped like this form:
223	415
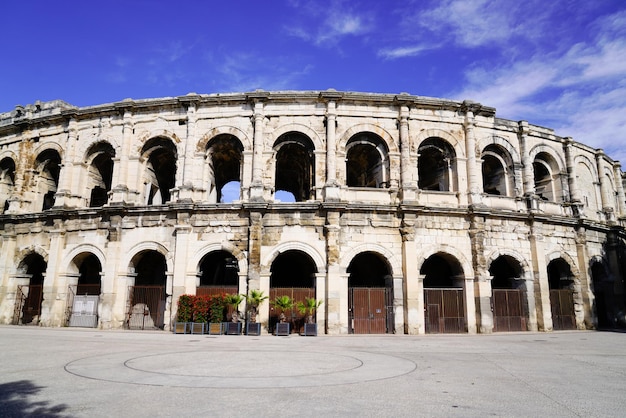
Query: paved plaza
71	372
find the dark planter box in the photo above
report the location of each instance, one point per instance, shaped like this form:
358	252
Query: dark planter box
253	328
233	328
310	330
282	329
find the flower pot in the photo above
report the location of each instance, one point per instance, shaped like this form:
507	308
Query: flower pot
215	328
310	330
253	328
282	329
233	328
181	328
197	327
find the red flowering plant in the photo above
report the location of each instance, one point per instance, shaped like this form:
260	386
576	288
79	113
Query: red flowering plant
201	309
184	312
216	305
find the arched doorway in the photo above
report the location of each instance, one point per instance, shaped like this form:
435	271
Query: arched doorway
603	294
295	163
292	274
444	302
561	283
147	297
30	296
85	295
224	155
160	157
219	273
370	297
509	305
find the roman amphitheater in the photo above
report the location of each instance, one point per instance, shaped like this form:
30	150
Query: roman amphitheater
403	214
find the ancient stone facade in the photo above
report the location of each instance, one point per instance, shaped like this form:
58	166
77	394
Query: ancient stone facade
403	214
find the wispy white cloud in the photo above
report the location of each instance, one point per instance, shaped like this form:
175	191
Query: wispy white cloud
246	71
405	51
331	26
580	92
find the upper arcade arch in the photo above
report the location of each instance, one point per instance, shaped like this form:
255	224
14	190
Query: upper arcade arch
160	158
48	170
99	160
224	165
367	128
7	181
241	136
295	165
497	171
436	165
367	161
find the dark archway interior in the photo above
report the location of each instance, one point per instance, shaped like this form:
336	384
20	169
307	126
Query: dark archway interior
36	267
602	290
440	272
103	172
225	153
368	270
294	166
293	268
89	276
151	269
559	274
7	181
543	181
161	168
505	270
219	268
434	158
493	176
49	166
364	166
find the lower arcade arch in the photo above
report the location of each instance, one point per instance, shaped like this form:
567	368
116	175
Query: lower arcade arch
84	294
561	284
444	299
604	299
292	274
370	295
147	298
218	273
30	297
508	298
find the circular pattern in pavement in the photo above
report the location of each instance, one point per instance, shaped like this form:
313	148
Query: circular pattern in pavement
241	369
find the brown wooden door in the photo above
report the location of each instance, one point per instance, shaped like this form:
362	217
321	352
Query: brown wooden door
562	304
508	310
449	317
368	310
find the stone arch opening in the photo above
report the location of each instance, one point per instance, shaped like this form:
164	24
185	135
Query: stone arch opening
84	296
497	167
293	274
160	157
218	273
224	155
100	173
89	274
147	298
367	161
602	286
509	299
295	162
370	294
47	169
31	295
444	300
436	165
547	179
561	284
7	182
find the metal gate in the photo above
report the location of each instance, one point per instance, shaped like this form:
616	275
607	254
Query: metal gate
508	310
294	317
562	304
27	304
146	307
370	310
444	310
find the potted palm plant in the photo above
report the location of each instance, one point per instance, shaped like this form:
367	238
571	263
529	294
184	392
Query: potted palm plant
254	299
283	303
233	301
308	308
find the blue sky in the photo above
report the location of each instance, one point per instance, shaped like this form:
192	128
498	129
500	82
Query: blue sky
560	64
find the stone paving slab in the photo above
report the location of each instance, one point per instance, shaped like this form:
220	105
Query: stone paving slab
83	372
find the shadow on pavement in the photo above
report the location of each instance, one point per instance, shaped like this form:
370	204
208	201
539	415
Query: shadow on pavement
14	401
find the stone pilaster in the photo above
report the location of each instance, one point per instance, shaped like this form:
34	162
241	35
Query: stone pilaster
473	172
408	184
537	287
181	255
258	117
336	279
527	164
190	174
70	173
54	295
331	188
120	193
413	282
607	202
621	198
584	314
